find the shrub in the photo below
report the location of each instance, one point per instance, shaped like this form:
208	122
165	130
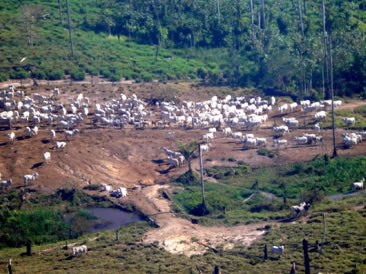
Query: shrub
55	75
94	187
40	74
77	75
115	77
3	77
19	74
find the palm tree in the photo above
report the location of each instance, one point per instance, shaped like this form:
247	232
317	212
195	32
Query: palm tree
188	151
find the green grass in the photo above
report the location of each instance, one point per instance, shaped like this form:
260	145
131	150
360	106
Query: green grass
342	253
267	152
360	110
308	182
41	218
339	114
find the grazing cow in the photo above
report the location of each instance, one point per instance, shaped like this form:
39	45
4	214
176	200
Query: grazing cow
278	250
358	185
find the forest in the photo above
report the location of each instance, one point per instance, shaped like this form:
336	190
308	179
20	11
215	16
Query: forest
301	48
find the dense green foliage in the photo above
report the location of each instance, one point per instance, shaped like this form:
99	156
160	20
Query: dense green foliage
253	195
39	226
212	40
42	220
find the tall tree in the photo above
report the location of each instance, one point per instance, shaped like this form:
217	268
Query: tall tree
69	24
188	151
251	12
31	16
263	15
59	11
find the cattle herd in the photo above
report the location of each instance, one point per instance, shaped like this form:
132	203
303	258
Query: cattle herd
228	116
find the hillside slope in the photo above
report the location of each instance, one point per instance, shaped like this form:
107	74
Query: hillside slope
279	47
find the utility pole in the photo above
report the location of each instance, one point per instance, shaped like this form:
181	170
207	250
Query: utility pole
68	22
332	94
204	208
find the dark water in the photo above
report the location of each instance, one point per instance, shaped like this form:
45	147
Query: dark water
111	218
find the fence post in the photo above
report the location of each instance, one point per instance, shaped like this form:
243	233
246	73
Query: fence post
265	252
324	220
293	270
306	256
216	270
117	235
29	248
10	268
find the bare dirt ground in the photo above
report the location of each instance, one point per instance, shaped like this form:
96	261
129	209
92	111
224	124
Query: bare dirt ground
129	157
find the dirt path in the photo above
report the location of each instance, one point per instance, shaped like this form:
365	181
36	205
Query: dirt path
180	236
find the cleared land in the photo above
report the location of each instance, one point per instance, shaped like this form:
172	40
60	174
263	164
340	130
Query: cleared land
129	157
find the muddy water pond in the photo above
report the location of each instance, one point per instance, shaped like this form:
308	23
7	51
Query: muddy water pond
107	218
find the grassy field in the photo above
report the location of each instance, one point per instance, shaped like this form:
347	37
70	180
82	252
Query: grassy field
359	113
342	252
258	195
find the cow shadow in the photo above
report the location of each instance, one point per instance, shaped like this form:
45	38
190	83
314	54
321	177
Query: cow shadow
37	165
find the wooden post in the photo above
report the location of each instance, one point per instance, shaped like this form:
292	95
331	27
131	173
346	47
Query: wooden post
324	227
202	183
293	270
66	246
10	268
117	235
217	270
306	256
265	252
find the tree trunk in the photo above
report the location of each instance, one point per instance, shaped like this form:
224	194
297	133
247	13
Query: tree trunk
251	12
69	24
59	11
325	60
202	183
218	10
263	15
305	7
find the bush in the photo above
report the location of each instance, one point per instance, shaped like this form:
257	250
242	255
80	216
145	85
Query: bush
3	77
77	75
94	187
39	226
115	77
19	74
55	75
267	152
40	74
188	178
